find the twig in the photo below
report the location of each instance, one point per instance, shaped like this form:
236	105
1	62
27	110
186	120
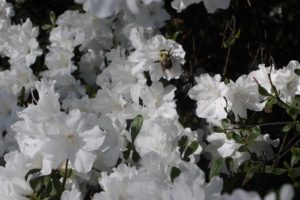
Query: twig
66	173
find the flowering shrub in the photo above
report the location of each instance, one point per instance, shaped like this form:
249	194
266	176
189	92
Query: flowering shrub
90	109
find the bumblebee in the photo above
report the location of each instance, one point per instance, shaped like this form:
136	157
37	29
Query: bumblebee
165	59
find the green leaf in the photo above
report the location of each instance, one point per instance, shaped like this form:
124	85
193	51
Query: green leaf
297	126
231	116
229	163
297	71
297	99
225	123
269	105
46	27
183	141
292	112
238	138
38	184
262	91
286	165
175	172
295	156
191	149
182	144
269	169
136	126
286	128
218	129
32	171
254	133
279	171
229	135
135	156
21	98
294	172
243	148
126	154
231	40
62	172
52	17
216	167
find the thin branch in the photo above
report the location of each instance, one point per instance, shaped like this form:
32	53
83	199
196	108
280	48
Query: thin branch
66	173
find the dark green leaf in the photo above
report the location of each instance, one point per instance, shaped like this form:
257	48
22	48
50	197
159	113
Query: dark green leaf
229	163
126	154
183	141
297	71
269	105
255	132
243	148
191	149
52	17
279	171
231	40
46	27
269	169
295	156
231	116
136	126
229	135
292	112
297	99
218	129
294	172
135	156
286	128
225	123
238	138
175	172
262	91
286	165
32	171
216	167
62	172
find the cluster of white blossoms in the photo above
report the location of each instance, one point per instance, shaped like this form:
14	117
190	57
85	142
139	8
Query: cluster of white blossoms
61	125
215	99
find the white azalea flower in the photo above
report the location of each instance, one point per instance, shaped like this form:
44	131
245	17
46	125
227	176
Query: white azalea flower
57	136
113	145
16	78
180	5
13	184
262	76
59	62
18	42
115	185
287	82
122	77
152	15
244	95
148	52
210	5
286	193
6	12
104	9
159	135
74	194
107	102
9	107
86	30
62	137
159	101
209	94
